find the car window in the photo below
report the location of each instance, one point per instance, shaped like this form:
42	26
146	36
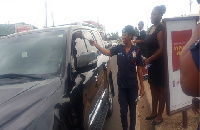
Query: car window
98	38
79	46
88	35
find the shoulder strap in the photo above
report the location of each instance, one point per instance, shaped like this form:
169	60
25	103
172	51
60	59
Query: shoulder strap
150	29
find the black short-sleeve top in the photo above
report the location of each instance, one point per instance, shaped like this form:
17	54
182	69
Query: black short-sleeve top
151	41
127	75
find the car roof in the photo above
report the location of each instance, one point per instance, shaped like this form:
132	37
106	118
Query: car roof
49	29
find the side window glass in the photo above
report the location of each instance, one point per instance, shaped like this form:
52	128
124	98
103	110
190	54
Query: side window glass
78	44
98	38
88	35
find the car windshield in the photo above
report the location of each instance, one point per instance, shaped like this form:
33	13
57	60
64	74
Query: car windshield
32	53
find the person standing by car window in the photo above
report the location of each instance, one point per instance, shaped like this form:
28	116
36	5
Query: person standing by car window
128	57
155	61
140	43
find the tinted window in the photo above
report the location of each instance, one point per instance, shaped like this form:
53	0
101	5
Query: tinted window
80	47
98	38
88	35
84	54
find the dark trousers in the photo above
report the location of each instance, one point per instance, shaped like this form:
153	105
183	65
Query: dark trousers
126	97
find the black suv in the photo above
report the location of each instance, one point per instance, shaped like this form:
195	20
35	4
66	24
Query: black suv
53	78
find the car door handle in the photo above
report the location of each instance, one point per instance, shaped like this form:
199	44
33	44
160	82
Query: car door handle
96	77
96	80
105	66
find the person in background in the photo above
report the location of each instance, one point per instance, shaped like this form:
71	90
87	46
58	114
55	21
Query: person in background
189	65
140	43
155	62
128	57
190	70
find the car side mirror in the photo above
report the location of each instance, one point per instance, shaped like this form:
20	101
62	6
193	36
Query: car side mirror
86	61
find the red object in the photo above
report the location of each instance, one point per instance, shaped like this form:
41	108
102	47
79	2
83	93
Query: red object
179	39
22	28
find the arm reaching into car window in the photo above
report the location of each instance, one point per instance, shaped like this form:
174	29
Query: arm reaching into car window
104	51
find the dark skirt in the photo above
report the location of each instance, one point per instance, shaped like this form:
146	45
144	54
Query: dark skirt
156	73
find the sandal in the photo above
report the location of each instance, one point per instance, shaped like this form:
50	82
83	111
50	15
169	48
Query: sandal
156	123
150	117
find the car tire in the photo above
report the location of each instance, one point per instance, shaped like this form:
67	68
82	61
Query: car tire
110	101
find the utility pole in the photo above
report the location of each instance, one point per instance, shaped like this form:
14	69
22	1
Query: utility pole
190	5
52	17
45	13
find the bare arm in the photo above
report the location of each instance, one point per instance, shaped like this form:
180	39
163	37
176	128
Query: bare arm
159	52
139	71
101	49
194	38
138	41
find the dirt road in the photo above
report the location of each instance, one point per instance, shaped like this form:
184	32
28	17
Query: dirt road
143	108
173	122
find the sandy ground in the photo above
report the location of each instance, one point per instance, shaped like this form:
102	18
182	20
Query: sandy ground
173	122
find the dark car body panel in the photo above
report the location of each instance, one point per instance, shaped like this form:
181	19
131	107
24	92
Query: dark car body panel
69	99
32	100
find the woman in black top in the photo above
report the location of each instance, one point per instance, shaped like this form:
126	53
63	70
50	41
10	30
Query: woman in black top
140	43
154	43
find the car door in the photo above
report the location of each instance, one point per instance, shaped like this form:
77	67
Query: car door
104	69
102	64
93	94
90	89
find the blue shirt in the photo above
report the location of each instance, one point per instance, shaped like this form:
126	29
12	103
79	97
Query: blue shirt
194	49
127	75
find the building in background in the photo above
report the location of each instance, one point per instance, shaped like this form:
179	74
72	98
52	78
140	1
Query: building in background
6	29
